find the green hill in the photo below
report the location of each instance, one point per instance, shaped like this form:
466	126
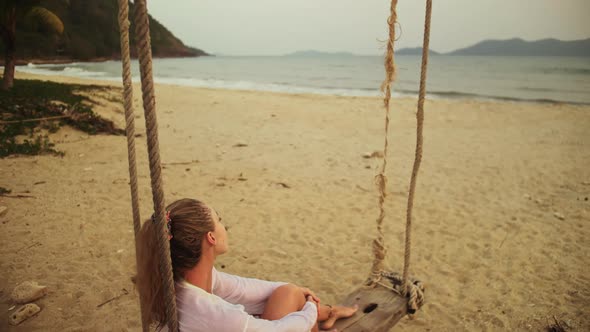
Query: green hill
91	32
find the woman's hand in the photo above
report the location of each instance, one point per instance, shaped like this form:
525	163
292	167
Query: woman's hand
307	293
312	300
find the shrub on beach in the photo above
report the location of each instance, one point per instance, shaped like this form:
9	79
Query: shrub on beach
33	109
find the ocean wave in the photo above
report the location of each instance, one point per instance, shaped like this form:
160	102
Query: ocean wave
555	90
273	87
60	70
567	71
285	87
468	95
528	88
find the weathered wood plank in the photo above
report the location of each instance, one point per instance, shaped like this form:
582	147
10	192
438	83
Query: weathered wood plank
379	310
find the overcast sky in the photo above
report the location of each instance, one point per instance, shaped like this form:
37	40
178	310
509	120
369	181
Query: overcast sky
274	27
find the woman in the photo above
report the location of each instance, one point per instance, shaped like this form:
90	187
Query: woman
209	300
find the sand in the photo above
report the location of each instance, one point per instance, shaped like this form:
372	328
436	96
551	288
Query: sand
501	216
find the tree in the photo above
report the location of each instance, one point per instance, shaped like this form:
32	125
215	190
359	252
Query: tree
28	10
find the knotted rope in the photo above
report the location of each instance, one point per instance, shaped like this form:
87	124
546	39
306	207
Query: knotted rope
142	33
416	296
130	128
409	287
379	249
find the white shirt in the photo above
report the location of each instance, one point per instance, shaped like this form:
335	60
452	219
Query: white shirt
231	305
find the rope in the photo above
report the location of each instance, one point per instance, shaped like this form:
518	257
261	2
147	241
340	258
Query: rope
409	287
142	33
130	130
416	296
129	116
379	249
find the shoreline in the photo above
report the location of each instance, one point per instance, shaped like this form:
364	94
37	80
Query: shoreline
403	95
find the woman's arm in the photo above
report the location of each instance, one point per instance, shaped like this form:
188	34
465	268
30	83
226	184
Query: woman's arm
249	292
298	321
200	311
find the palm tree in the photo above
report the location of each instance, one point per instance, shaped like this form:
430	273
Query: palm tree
29	10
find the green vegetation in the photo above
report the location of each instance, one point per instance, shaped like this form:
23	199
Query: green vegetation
22	107
91	31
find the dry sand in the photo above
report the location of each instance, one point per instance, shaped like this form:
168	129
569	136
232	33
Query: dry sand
501	223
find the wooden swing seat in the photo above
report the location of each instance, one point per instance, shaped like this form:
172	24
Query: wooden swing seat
379	310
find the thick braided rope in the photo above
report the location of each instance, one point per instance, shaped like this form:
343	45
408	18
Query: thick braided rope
379	249
142	34
129	116
409	287
130	129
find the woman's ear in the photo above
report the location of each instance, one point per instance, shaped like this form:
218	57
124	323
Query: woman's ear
211	238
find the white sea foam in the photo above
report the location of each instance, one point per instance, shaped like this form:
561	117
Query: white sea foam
63	71
255	86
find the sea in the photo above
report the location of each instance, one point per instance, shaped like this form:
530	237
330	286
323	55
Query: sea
508	78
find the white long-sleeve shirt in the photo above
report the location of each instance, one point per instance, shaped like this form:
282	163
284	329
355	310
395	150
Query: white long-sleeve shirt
232	304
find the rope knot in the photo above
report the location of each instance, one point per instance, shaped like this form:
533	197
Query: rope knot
416	296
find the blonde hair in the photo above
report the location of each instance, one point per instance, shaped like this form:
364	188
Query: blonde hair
190	222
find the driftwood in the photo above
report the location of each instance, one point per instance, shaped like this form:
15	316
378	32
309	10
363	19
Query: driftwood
125	292
181	163
17	196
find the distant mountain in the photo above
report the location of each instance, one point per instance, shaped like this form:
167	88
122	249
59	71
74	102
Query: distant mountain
414	51
519	47
91	32
312	53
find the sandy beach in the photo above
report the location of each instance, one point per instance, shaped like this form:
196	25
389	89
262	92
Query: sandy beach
501	215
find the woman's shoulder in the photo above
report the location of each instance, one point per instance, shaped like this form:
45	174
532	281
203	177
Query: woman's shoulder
196	297
187	293
196	307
